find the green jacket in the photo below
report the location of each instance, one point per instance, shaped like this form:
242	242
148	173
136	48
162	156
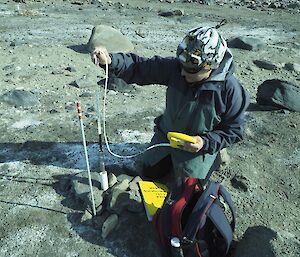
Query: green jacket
213	109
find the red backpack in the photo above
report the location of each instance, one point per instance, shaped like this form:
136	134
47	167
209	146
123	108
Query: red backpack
192	221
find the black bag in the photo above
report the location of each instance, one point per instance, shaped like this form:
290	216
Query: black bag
192	221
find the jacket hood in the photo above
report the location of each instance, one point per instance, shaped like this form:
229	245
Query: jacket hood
226	67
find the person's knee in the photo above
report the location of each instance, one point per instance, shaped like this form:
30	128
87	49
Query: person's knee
158	170
152	173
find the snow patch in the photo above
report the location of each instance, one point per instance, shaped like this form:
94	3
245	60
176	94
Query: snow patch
25	123
135	136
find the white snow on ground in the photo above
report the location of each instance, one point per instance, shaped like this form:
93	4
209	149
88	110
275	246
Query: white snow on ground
25	123
135	136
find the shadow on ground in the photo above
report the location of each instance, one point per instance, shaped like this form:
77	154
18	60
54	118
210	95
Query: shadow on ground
256	242
133	229
82	49
68	155
132	232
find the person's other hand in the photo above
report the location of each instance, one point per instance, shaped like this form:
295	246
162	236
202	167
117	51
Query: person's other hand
100	56
194	147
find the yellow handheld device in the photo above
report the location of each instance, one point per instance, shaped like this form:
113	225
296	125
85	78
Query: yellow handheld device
177	139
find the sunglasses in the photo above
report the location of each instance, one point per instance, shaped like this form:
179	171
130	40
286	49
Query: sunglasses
192	69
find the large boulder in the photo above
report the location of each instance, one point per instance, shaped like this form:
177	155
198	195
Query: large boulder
20	98
109	37
119	85
246	43
279	93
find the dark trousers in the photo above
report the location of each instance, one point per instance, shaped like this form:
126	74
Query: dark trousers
164	167
159	170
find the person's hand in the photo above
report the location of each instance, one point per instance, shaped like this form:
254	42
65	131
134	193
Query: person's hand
100	56
194	148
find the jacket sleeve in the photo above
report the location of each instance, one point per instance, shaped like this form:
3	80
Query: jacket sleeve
140	70
230	129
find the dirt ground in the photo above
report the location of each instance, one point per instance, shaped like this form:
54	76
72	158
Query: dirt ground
42	51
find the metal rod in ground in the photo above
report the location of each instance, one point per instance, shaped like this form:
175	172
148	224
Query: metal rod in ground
99	119
101	153
86	157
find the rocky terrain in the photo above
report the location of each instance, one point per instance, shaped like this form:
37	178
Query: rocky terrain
46	69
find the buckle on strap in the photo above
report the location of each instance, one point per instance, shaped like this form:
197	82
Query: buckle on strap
186	241
213	197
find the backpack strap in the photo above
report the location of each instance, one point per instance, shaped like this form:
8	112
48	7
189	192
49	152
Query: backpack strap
217	216
162	224
199	213
189	188
228	200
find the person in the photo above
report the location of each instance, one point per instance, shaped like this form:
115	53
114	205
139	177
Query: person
204	99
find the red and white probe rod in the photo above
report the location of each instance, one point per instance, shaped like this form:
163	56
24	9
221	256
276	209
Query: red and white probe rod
86	156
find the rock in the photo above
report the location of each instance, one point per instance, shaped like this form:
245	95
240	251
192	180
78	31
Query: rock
292	67
286	112
279	93
77	3
98	197
53	111
20	98
133	185
123	185
57	72
87	217
171	13
224	159
81	188
123	177
208	2
96	2
112	179
81	83
246	43
265	64
166	14
119	85
135	202
275	5
109	37
118	201
119	197
295	5
91	109
141	33
71	69
109	225
86	94
240	182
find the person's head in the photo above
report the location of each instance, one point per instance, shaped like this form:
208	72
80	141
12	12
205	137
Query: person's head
201	51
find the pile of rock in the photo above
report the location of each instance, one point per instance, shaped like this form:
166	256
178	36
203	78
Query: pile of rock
121	198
